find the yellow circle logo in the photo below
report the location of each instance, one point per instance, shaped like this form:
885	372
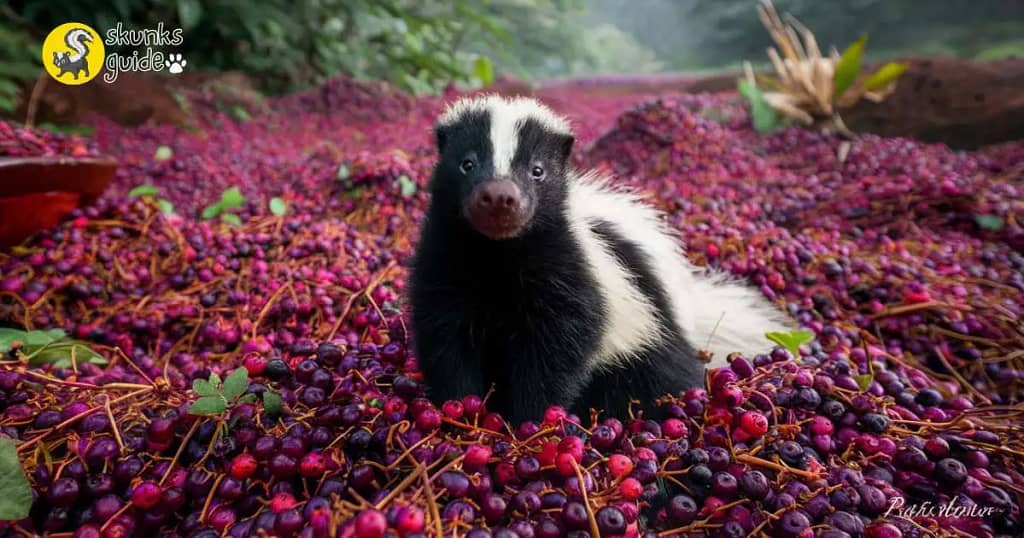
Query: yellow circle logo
73	53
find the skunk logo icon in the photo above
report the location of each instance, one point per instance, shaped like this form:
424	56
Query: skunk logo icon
73	53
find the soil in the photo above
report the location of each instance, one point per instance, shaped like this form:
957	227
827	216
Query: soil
961	103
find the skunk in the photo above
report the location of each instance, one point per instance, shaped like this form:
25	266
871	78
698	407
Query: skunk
550	286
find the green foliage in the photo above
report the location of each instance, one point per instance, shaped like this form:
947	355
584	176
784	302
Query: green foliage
765	118
17	493
144	190
272	403
47	347
1002	51
278	207
231	199
163	153
19	65
483	70
884	76
406	186
791	340
864	381
216	397
150	192
989	222
849	65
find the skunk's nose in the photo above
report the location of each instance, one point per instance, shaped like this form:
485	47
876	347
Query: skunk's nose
496	208
499	196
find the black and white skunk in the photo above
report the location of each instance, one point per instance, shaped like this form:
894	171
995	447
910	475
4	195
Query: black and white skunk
554	287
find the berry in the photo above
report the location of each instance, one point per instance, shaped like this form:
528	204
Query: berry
631	489
243	466
146	495
619	465
754	423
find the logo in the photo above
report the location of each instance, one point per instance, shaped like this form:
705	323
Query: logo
73	53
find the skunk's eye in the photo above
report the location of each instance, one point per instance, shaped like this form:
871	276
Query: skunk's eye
537	172
467	165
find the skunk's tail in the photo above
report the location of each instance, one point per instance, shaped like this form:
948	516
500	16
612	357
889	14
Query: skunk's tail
730	315
77	39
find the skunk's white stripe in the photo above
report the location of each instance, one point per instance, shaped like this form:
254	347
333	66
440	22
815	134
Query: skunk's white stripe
714	311
631	324
506	116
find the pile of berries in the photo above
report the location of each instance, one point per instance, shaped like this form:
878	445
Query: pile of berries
909	393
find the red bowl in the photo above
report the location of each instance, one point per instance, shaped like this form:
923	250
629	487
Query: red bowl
37	192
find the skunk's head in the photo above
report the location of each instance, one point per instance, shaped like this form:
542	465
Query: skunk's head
502	164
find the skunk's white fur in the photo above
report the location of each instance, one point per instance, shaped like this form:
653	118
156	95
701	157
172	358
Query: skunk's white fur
715	312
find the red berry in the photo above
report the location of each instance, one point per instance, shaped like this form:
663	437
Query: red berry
644	453
548	453
673	428
631	489
477	456
281	502
754	423
573	446
254	363
428	420
242	466
493	422
410	520
371	524
472	405
619	465
453	409
312	465
554	414
146	495
565	464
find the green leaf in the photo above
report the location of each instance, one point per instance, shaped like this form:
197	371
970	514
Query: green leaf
763	115
231	218
278	207
989	222
166	207
343	171
29	339
483	70
791	340
144	190
406	186
211	211
17	498
208	405
163	153
240	113
204	388
189	13
215	379
247	398
884	76
232	198
849	65
235	384
864	381
272	402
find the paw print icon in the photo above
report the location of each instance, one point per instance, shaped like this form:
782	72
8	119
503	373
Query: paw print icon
176	63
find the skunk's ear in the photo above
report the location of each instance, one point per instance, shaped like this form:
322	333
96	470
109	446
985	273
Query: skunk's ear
565	142
440	137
